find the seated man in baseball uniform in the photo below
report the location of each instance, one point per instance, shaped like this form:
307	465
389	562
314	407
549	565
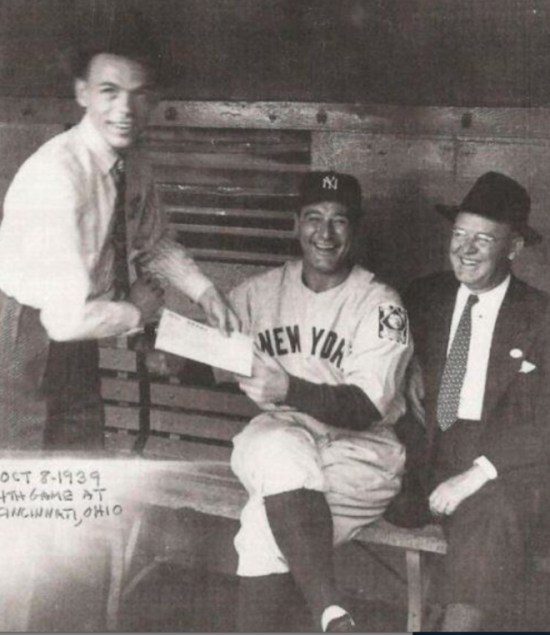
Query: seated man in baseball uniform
322	460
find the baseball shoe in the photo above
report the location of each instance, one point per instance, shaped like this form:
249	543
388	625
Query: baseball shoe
342	624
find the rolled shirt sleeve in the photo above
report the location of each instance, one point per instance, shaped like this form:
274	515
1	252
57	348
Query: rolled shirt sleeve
166	257
170	261
486	467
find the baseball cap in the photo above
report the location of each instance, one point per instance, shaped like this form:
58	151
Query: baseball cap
317	187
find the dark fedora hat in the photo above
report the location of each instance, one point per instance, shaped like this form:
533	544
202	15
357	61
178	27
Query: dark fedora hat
499	198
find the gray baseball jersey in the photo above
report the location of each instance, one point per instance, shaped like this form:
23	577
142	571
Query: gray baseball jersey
355	333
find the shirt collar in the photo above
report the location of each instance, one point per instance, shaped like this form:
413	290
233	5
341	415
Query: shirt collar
102	152
492	298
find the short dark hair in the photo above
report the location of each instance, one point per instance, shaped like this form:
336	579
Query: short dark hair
129	36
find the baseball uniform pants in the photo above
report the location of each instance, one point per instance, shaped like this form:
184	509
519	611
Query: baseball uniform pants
281	452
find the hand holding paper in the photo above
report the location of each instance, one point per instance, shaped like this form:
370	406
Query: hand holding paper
187	338
269	381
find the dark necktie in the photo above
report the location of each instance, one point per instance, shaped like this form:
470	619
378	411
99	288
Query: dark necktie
121	273
455	369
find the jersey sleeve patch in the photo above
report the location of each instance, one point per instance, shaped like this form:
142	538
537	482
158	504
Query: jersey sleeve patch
393	323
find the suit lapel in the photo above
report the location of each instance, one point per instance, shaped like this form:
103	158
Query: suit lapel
512	333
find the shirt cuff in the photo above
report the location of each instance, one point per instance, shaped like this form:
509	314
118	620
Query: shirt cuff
172	262
486	467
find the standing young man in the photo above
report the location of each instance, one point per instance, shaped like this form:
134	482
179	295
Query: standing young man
322	460
66	241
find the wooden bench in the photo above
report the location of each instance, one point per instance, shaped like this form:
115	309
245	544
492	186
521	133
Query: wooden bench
210	488
227	181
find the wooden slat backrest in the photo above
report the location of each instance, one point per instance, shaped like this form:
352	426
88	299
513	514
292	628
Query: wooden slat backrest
230	197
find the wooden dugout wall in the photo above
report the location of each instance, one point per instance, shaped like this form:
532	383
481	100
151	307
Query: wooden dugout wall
227	176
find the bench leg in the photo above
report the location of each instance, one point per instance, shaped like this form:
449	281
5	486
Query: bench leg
121	561
414	591
116	578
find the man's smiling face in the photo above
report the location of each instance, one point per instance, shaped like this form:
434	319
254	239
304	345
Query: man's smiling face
117	97
325	232
481	251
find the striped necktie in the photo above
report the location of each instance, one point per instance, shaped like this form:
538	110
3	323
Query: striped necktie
118	236
455	369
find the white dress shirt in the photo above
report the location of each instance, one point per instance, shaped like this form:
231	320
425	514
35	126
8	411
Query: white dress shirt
484	317
55	249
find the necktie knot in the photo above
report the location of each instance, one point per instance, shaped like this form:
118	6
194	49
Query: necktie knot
472	300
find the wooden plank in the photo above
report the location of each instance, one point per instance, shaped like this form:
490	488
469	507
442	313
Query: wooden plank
121	418
203	400
229	140
217	490
177	194
228	217
39	110
221	494
166	448
191	398
228	180
287	245
240	257
117	359
465	123
114	389
114	342
212	230
119	442
195	425
213	187
528	163
384	157
295	163
177	489
429	538
229	212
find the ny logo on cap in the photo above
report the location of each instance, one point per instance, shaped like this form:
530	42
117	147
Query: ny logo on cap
330	183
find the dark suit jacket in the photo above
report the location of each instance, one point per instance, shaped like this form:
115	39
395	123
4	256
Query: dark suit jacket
516	409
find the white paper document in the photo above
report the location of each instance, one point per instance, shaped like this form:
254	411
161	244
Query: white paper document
181	336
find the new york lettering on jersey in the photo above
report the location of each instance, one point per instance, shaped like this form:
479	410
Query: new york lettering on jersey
285	340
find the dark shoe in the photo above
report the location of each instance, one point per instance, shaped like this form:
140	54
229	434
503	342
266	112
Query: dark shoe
409	510
342	624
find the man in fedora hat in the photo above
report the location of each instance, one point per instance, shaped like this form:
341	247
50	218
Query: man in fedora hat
482	350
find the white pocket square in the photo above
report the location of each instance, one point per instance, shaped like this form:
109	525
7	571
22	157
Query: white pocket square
526	367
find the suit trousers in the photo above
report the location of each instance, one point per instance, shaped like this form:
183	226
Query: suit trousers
489	533
49	391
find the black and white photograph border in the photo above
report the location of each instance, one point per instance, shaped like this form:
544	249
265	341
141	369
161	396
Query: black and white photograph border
416	99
